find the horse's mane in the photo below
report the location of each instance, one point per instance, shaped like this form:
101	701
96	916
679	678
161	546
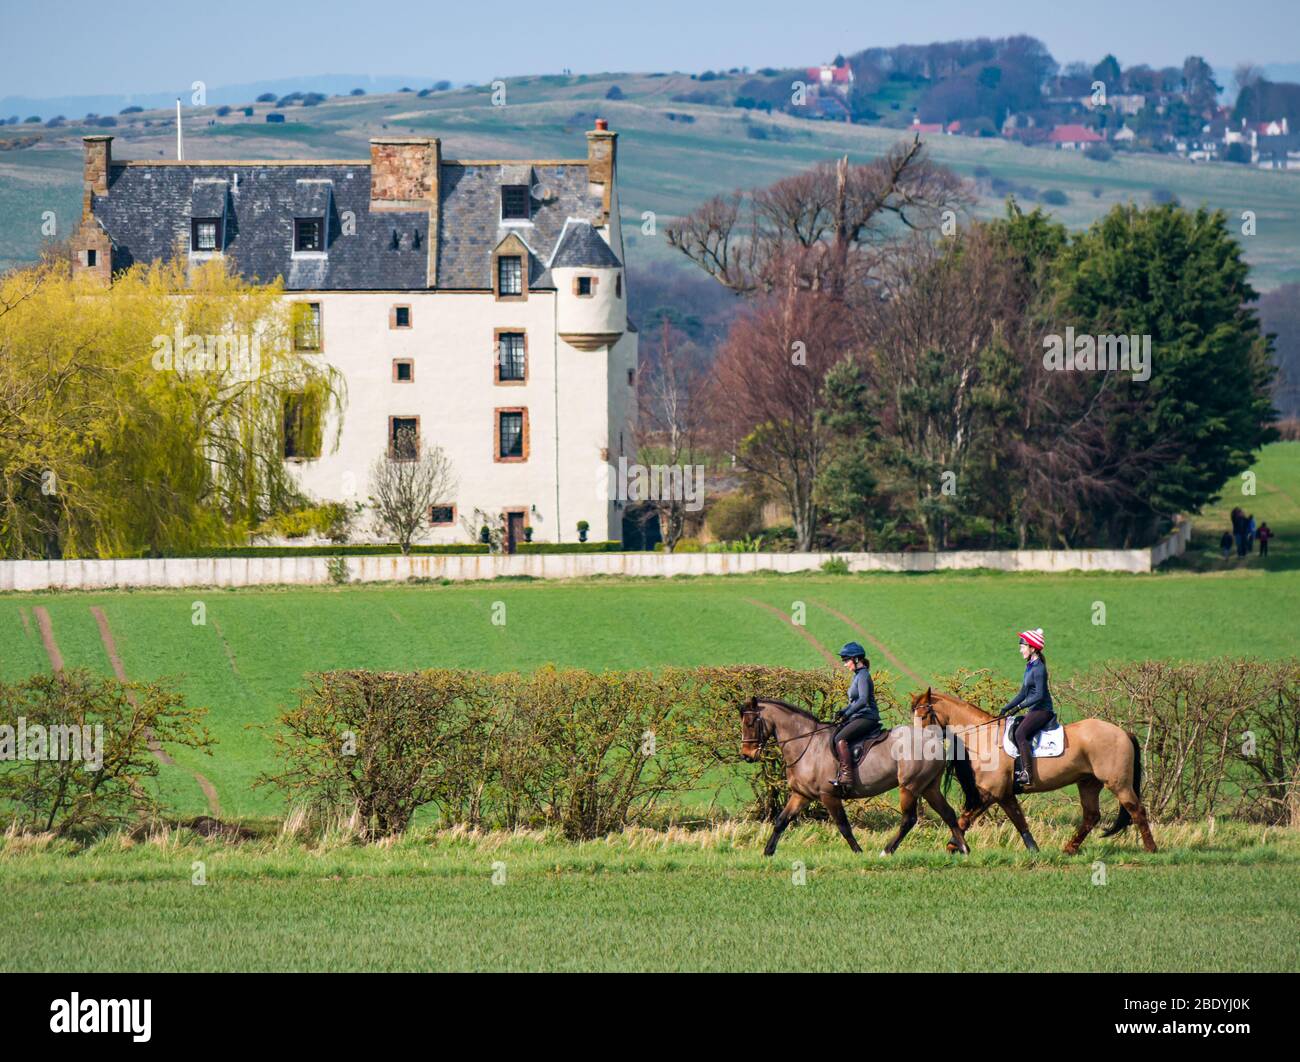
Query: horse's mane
792	707
965	704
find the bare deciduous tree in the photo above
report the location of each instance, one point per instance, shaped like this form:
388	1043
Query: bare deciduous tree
669	424
406	483
766	392
818	221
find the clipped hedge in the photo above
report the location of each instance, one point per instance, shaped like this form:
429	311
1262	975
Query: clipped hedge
1219	737
588	753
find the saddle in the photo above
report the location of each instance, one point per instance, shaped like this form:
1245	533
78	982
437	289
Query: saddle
861	748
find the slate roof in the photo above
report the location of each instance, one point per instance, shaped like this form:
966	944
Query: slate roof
581	246
148	210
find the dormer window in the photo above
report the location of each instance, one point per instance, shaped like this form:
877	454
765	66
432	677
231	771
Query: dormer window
205	235
510	275
308	234
514	202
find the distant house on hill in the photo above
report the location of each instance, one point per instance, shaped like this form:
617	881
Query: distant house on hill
1073	137
924	128
1124	135
831	79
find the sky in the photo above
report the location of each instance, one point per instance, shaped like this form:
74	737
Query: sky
73	47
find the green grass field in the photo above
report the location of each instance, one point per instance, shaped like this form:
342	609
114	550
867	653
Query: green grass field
646	901
667	166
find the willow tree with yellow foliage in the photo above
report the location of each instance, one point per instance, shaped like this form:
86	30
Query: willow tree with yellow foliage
148	417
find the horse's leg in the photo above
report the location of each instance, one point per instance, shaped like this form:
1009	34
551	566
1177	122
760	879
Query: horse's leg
1131	803
967	818
907	805
1090	798
792	808
835	807
935	798
1012	807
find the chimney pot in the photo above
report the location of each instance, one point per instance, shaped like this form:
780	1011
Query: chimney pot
602	123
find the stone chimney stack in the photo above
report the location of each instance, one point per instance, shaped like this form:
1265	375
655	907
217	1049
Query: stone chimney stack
98	158
404	175
92	250
403	172
602	147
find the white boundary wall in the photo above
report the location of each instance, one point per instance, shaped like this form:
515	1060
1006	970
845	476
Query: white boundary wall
269	571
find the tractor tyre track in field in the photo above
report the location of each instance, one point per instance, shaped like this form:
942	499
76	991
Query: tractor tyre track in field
230	655
47	637
110	647
884	649
830	657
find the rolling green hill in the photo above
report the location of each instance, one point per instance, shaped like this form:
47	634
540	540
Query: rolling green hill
672	154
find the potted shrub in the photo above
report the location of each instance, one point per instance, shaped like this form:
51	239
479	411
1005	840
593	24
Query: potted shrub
485	535
528	534
583	528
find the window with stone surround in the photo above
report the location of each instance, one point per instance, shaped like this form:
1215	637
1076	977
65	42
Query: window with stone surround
512	357
511	434
510	275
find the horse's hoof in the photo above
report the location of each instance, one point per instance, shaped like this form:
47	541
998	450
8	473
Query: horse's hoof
884	854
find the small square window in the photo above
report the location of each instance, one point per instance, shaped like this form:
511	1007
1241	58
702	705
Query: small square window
308	234
510	275
92	256
514	202
584	286
442	515
403	370
205	235
401	317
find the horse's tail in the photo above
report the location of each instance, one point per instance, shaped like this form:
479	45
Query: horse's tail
1123	819
960	768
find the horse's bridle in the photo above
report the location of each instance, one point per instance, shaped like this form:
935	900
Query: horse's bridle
767	733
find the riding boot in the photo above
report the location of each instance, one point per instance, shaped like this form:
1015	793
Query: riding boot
844	780
1022	773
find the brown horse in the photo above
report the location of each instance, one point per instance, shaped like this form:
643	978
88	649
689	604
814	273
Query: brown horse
1097	754
910	759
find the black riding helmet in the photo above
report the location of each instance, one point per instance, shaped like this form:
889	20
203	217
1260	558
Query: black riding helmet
853	651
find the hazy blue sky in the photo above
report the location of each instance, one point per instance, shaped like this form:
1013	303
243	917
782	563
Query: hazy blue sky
58	47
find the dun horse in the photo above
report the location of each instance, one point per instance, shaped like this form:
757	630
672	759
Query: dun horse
1097	754
910	759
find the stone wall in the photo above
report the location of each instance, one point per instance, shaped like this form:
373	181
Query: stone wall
270	571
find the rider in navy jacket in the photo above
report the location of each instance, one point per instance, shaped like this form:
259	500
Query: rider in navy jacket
1034	697
861	718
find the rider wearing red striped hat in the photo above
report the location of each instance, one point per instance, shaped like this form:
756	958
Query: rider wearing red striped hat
1034	697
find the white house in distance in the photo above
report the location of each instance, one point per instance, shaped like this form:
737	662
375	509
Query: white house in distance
481	303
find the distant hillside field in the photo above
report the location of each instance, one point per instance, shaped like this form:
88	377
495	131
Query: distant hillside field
673	155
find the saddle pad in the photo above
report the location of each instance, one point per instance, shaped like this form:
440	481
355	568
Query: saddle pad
1048	742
